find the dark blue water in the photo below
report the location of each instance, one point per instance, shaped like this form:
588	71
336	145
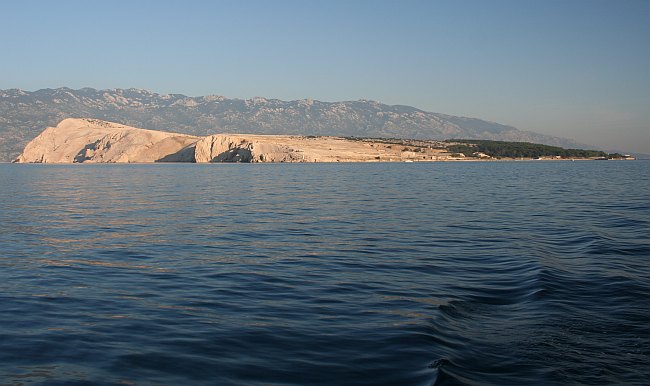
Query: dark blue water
506	273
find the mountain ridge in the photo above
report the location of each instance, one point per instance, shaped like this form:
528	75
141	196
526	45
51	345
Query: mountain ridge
24	114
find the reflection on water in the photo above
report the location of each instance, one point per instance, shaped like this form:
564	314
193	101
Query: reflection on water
477	274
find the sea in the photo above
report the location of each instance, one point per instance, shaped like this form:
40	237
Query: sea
440	273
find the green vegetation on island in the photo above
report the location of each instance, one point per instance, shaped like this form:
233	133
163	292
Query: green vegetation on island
502	149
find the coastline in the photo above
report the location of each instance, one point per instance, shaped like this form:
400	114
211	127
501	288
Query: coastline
83	140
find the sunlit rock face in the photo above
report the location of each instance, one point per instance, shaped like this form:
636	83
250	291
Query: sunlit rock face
97	141
250	148
91	140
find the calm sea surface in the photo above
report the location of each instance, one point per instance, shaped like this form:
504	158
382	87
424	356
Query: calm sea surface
512	273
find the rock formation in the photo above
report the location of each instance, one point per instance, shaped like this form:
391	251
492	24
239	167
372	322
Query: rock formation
280	148
92	140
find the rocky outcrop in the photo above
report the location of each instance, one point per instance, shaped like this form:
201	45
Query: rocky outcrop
92	140
291	148
250	148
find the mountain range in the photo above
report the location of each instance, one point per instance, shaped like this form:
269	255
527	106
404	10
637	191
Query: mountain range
24	114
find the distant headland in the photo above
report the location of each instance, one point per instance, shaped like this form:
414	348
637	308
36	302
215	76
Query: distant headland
82	140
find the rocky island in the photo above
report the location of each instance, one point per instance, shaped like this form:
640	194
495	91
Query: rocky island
97	141
76	140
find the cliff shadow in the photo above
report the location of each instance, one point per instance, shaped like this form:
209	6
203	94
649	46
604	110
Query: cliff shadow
186	154
86	153
234	155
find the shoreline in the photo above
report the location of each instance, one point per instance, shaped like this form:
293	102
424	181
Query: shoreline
87	140
320	162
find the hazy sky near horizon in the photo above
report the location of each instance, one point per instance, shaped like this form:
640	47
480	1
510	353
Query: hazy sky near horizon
572	68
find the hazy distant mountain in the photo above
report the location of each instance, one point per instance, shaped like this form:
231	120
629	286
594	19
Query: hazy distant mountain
23	115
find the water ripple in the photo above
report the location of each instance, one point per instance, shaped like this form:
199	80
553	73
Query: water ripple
445	274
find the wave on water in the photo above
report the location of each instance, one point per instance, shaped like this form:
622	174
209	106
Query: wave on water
361	274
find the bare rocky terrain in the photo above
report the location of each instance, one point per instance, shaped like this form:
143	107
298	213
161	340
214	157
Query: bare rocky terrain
96	141
92	140
24	114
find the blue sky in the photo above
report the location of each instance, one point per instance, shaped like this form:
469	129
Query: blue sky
572	68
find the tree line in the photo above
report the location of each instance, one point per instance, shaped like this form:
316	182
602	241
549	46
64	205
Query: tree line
502	149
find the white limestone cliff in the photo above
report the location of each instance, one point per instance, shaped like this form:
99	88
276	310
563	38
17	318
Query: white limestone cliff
91	140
